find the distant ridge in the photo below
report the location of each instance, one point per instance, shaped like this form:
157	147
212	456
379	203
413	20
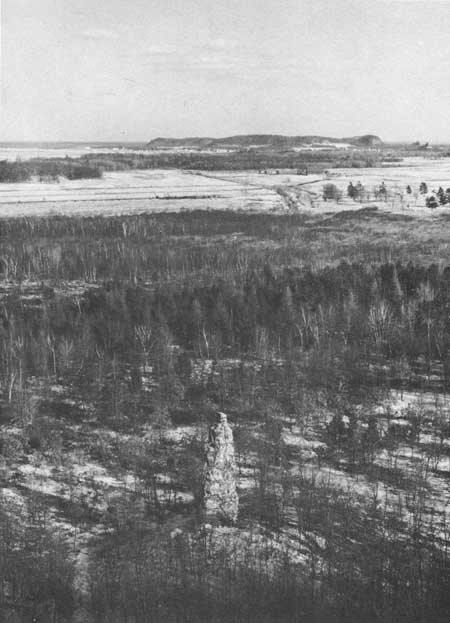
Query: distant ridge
262	141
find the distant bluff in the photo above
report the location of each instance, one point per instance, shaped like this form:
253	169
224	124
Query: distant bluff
368	140
261	141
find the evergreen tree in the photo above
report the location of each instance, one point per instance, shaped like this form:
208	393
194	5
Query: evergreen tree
431	202
441	195
351	190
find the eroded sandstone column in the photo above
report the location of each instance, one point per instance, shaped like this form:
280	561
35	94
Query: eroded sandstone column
220	496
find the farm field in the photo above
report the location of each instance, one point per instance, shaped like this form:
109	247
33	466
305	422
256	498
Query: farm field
134	192
174	190
306	191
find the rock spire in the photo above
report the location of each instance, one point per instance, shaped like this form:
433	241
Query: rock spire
220	496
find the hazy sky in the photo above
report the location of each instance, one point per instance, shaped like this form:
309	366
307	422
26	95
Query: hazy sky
137	69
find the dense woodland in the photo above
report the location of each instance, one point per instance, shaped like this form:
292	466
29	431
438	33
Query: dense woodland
92	165
46	170
247	159
160	320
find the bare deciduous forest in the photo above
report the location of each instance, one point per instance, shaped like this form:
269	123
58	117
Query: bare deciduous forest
120	340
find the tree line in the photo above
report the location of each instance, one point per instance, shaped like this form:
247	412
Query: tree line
46	170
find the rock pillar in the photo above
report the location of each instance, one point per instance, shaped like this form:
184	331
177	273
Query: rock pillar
220	496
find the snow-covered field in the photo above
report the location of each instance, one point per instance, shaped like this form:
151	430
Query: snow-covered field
136	192
306	191
159	190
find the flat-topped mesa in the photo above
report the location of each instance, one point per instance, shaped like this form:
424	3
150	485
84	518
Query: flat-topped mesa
220	497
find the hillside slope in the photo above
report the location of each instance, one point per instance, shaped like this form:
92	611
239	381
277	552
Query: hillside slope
261	141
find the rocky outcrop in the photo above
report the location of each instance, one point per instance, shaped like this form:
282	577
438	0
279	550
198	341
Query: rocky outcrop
220	497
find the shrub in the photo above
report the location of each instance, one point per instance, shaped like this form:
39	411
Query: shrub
331	191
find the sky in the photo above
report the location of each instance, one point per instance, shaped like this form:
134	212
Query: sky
133	70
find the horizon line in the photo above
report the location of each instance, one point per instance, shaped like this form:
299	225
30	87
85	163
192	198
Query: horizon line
187	137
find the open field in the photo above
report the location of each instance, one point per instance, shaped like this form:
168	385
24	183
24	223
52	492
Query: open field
135	192
306	191
138	191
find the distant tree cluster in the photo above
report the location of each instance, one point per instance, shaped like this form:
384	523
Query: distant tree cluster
331	191
437	198
13	172
355	191
81	171
441	196
46	170
246	159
